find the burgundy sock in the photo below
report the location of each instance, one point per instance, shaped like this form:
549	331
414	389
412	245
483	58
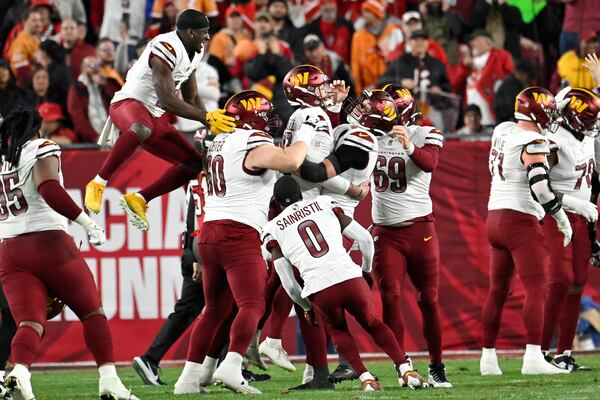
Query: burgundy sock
384	338
567	324
536	290
244	325
203	333
282	304
392	315
432	329
98	339
315	340
25	345
171	179
124	147
221	338
553	309
491	315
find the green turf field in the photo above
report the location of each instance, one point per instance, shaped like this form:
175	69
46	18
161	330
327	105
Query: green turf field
464	374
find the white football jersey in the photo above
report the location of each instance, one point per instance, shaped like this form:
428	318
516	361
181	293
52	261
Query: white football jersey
316	121
309	235
573	173
510	184
359	137
400	189
171	51
233	191
22	209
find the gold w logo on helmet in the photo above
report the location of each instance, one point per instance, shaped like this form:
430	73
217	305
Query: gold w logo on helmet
404	93
577	104
390	111
541	98
299	79
251	103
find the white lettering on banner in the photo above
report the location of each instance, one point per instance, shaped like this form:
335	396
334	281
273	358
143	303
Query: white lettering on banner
136	272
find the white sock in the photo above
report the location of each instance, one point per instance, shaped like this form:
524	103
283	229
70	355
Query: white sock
191	368
140	196
567	353
404	368
273	342
209	362
233	358
533	349
488	352
20	369
107	371
99	180
366	376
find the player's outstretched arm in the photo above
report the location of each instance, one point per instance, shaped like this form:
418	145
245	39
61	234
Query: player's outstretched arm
216	120
46	180
353	230
342	159
286	274
284	160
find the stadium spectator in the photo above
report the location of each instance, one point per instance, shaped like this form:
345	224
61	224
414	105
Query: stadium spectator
208	7
272	59
53	124
71	9
481	72
223	42
570	68
581	16
40	88
131	13
46	8
52	57
284	29
472	122
371	45
105	51
504	99
265	40
89	99
502	20
12	17
22	51
165	23
328	61
411	22
443	25
75	48
10	94
335	31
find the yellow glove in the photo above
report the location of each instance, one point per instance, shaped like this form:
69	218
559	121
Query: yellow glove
218	122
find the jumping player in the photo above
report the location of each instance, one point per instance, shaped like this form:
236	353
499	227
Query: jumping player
308	234
571	166
138	110
520	196
240	176
37	256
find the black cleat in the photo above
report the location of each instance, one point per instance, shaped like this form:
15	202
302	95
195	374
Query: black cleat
315	384
343	373
437	376
148	371
252	377
567	362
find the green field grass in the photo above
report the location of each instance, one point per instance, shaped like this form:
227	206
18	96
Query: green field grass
464	374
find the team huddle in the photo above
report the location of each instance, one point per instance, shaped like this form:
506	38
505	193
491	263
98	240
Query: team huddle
277	222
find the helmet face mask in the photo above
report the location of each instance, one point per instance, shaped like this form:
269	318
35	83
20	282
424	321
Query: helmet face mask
374	110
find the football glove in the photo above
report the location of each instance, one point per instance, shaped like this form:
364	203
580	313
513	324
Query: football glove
95	233
563	225
218	122
586	209
311	317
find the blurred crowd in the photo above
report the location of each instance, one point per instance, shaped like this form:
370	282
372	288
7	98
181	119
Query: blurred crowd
464	60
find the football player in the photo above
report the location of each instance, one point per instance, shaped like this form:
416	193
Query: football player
571	164
309	89
520	196
405	237
165	67
308	234
37	255
240	169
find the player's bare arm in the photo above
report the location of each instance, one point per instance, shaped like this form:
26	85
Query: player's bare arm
189	92
284	160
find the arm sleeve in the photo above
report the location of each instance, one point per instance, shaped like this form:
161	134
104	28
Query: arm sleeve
286	274
426	157
365	242
342	159
122	59
58	199
337	184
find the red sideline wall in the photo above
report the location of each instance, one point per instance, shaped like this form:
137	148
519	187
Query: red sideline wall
138	274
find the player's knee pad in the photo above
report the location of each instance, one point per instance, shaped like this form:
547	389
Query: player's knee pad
99	311
428	296
140	130
36	326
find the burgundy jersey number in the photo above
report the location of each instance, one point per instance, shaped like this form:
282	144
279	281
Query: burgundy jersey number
394	177
586	172
215	176
313	238
496	163
13	195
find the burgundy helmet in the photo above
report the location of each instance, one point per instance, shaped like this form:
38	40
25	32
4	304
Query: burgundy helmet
405	103
375	110
252	110
300	86
580	110
537	105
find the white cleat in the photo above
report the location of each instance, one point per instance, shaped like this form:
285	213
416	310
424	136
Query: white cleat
229	375
253	356
111	388
18	383
207	370
535	364
188	387
277	355
413	380
488	365
308	374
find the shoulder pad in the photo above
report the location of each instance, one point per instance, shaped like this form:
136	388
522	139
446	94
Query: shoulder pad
259	138
537	146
